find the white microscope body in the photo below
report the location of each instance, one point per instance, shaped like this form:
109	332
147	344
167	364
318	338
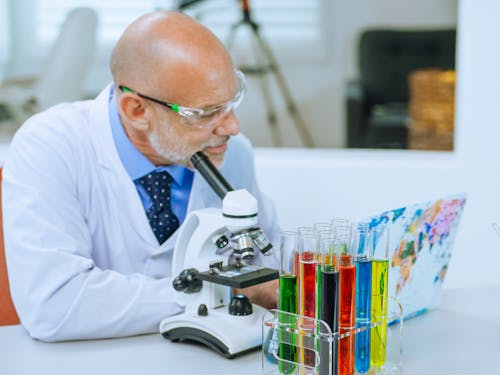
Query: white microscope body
208	317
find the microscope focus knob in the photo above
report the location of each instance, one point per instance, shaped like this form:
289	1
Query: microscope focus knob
240	305
188	281
202	310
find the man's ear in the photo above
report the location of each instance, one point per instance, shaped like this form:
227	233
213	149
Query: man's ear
133	109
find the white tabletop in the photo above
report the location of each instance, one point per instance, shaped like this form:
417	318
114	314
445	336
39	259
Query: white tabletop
461	337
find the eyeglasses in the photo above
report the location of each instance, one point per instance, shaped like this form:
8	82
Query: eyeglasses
202	118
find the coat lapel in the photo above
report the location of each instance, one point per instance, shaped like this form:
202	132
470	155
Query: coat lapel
113	170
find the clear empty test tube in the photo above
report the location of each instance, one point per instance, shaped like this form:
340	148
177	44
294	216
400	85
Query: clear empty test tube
339	223
308	262
347	306
379	242
343	232
496	228
361	251
321	227
329	301
287	355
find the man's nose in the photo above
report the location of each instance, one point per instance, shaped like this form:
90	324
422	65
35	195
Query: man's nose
229	125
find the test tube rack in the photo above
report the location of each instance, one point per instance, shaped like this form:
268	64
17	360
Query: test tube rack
295	344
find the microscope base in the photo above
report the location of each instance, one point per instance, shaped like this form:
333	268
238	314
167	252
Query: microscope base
227	334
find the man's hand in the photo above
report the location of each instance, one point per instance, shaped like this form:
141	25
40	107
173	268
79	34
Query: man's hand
265	294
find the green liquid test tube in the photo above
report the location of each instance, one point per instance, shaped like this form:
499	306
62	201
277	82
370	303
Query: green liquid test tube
287	304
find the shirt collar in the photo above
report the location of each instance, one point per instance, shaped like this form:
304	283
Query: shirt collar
135	163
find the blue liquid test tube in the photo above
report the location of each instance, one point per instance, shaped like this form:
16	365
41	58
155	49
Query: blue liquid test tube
363	262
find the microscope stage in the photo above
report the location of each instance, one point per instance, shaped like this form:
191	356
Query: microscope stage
240	277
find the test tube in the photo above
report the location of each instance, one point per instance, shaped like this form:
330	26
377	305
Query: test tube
308	261
296	256
287	303
339	222
329	309
363	261
347	307
380	277
301	231
340	227
320	230
496	228
343	232
321	227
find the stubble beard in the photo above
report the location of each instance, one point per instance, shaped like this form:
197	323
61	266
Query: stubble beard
179	153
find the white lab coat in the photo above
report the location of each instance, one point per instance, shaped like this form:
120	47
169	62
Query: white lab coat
83	261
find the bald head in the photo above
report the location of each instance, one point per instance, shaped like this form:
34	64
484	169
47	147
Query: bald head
163	50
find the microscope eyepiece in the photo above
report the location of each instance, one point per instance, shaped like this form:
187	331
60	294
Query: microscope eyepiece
211	174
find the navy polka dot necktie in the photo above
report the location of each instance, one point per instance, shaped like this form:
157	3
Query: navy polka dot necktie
161	218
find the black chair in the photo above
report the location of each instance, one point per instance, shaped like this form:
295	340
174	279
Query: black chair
377	103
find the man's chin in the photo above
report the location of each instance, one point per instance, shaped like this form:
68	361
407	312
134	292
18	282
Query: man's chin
216	154
216	159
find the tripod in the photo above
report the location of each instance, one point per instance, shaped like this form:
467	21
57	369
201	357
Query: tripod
270	65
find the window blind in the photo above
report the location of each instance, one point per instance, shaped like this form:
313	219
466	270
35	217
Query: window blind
280	20
293	22
114	16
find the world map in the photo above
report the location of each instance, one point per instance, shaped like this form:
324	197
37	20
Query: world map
420	248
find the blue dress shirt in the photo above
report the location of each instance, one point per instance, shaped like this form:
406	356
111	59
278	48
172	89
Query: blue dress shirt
137	165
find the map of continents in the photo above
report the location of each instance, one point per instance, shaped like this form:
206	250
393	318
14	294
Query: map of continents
421	240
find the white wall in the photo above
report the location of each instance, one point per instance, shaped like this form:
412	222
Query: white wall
316	185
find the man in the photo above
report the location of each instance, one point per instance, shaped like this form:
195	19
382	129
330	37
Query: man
88	244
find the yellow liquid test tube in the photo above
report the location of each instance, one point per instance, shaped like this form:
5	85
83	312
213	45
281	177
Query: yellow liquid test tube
378	343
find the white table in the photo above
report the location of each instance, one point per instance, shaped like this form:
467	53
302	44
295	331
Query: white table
461	337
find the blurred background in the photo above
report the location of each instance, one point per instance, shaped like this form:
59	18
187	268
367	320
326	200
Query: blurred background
354	73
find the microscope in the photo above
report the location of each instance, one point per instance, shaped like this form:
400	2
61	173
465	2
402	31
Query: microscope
204	273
